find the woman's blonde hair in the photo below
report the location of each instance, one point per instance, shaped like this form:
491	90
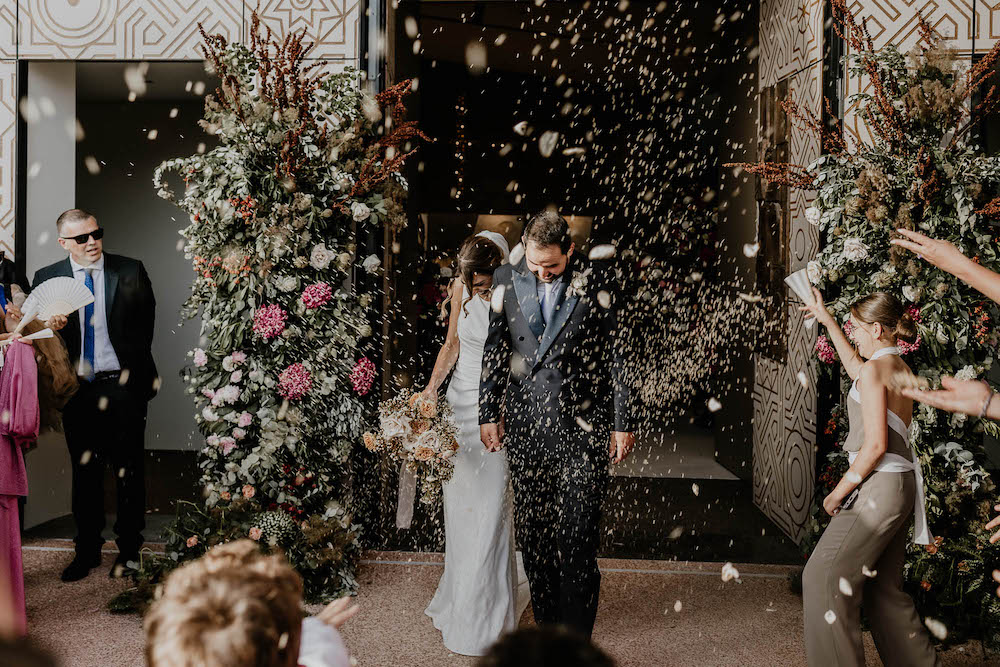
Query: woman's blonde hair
887	310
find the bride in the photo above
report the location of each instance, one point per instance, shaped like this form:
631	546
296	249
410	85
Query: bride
483	590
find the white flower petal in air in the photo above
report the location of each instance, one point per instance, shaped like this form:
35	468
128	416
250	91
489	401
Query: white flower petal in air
830	617
937	628
676	532
803	380
522	128
730	573
516	254
846	588
547	142
678	606
496	299
714	405
604	298
751	249
602	251
694	489
871	574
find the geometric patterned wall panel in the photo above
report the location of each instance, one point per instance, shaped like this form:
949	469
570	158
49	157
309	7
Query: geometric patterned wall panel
332	25
8	30
784	432
895	22
122	29
791	38
8	152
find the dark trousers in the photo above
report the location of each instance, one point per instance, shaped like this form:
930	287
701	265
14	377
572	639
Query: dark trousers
105	426
557	503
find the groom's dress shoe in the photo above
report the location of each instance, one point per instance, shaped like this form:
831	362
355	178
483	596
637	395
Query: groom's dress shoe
80	567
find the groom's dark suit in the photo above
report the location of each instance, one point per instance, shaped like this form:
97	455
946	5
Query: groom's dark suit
559	389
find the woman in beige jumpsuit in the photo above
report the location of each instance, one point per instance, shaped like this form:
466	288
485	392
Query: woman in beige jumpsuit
860	555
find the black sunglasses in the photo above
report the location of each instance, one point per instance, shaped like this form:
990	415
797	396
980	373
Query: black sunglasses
98	234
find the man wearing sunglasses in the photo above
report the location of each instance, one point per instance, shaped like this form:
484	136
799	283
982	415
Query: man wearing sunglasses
110	343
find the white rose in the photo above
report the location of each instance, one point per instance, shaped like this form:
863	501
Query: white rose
815	272
228	364
967	373
813	215
287	283
395	426
371	263
855	250
912	293
429	439
360	212
321	257
209	415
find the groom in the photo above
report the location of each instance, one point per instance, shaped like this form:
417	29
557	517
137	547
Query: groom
552	391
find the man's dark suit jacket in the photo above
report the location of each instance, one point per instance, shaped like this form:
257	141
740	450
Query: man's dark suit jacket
131	311
560	380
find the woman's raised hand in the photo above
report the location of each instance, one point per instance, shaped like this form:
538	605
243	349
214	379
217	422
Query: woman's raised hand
818	309
941	254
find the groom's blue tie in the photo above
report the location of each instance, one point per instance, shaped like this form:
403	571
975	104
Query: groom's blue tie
88	328
547	301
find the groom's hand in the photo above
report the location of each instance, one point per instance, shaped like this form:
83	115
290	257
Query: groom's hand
621	445
490	435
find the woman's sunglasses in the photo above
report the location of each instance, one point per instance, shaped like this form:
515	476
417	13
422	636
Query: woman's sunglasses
98	234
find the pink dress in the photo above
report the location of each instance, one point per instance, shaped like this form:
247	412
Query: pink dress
18	430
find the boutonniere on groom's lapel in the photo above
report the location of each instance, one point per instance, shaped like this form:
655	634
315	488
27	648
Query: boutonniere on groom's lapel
578	283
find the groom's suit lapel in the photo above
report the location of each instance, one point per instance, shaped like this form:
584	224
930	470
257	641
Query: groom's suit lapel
526	290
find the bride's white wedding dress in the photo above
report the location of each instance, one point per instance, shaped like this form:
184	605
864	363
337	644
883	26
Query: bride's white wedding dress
483	590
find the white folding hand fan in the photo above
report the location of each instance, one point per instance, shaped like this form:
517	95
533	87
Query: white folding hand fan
44	333
799	282
56	296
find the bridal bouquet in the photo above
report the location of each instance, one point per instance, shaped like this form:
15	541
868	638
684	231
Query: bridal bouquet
420	434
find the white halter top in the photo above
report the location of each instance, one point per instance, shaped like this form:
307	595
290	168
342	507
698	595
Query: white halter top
895	463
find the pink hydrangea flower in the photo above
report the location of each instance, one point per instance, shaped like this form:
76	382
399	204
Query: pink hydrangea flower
239	433
824	350
236	376
363	375
269	321
228	444
239	357
208	393
294	382
316	295
849	329
200	358
245	419
914	312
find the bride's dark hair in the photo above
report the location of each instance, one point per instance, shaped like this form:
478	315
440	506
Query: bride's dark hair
478	254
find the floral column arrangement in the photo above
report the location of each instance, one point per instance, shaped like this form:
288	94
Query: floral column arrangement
304	159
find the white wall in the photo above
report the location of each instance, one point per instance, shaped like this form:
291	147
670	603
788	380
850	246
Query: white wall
51	189
139	224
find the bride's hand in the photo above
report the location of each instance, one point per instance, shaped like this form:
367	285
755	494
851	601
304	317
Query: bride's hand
429	394
818	309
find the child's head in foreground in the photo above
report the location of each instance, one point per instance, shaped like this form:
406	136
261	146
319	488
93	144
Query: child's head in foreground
233	607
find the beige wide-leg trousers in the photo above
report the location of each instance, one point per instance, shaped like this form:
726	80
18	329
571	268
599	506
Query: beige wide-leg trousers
873	535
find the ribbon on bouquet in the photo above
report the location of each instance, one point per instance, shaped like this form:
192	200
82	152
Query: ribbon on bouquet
406	497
